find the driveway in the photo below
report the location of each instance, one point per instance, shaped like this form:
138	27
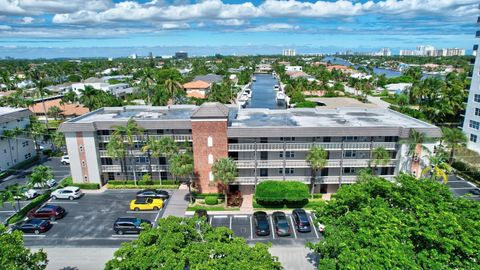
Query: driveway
462	187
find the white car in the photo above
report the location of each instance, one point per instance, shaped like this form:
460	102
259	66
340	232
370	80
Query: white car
27	193
49	184
65	160
70	193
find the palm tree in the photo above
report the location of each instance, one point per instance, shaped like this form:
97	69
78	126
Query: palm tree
10	194
58	139
224	171
173	87
380	156
128	133
416	145
147	149
437	168
147	82
89	97
317	158
41	91
116	150
40	175
182	165
7	196
69	97
36	131
168	146
453	138
54	112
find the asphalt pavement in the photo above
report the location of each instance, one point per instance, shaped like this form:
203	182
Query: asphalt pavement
462	187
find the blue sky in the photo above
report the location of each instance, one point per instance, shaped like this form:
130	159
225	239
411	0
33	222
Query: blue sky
82	28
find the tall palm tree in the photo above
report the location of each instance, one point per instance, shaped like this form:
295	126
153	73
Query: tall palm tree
224	171
173	87
89	97
36	131
453	138
128	133
116	150
182	165
438	168
147	82
380	156
69	97
150	145
317	158
7	196
416	145
40	175
41	92
54	112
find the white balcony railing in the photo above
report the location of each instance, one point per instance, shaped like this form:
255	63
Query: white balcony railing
177	138
332	163
247	147
251	179
138	168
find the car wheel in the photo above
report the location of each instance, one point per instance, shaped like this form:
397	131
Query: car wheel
54	197
36	231
155	208
64	163
136	209
70	198
120	232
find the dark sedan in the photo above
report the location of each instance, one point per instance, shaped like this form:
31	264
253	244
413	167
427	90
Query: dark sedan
300	218
52	212
262	227
153	193
129	225
34	225
282	228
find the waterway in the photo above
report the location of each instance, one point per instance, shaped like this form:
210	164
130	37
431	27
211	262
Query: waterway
263	95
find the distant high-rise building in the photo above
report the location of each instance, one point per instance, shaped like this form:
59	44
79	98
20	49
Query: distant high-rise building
455	52
432	51
471	122
150	55
181	55
133	56
289	52
385	52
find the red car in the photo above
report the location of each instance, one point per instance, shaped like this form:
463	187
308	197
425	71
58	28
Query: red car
52	212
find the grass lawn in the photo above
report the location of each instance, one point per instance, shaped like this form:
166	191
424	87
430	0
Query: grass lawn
217	207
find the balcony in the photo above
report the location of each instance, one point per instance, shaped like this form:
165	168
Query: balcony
475	47
248	147
138	168
250	180
332	163
136	138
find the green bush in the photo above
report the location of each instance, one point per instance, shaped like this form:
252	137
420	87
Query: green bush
282	192
306	104
211	200
204	195
69	182
141	186
24	211
141	182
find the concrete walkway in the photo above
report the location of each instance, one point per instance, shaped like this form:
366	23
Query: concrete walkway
178	203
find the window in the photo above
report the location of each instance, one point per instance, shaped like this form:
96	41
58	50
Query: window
81	148
476	98
287	139
142	160
350	154
25	143
106	161
83	163
210	176
4	151
85	178
288	154
288	171
27	156
477	111
210	159
473	138
209	141
263	172
474	124
348	170
350	138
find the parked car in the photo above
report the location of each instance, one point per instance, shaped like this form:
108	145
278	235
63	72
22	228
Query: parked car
262	228
49	184
129	225
146	204
300	218
65	160
202	213
27	194
66	193
52	212
153	193
282	228
34	225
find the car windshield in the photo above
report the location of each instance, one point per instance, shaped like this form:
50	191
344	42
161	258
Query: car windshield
34	222
137	222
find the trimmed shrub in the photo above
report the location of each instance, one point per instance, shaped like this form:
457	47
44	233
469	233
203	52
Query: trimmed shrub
69	182
282	192
204	195
211	200
33	204
141	182
141	186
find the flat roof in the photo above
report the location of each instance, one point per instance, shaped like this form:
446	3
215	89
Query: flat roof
7	110
315	117
341	102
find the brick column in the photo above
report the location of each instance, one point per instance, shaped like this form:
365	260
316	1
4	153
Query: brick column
202	130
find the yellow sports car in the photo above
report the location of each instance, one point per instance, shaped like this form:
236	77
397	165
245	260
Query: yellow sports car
146	204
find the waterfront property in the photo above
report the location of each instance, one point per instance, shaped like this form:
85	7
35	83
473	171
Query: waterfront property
15	146
265	143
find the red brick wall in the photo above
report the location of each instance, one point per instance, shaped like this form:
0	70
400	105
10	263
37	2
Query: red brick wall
201	130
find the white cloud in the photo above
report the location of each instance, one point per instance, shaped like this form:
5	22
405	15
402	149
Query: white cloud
231	22
273	27
5	27
175	25
27	20
38	7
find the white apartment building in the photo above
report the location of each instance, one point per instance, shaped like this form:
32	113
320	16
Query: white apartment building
293	68
18	148
289	52
118	89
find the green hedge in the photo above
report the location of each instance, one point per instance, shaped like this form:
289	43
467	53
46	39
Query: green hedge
141	182
69	182
141	186
211	200
24	211
211	208
196	195
279	193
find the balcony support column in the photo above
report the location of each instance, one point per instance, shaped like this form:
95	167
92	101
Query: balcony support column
284	159
256	163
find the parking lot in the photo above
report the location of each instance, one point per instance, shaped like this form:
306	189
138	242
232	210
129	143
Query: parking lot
244	226
89	221
461	187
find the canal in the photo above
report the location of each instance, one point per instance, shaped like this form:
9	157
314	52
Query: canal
263	95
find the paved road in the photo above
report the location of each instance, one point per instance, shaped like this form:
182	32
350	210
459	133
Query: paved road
461	187
21	177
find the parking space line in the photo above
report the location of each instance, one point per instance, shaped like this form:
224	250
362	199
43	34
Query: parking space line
156	218
273	231
251	230
11	211
230	222
142	212
293	228
463	188
34	235
210	222
220	216
64	202
125	235
314	228
240	216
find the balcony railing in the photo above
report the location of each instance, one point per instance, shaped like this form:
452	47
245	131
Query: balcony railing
136	138
332	163
346	179
138	168
247	147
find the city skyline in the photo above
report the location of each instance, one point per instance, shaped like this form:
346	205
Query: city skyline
49	29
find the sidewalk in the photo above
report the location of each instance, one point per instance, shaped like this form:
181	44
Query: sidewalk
178	203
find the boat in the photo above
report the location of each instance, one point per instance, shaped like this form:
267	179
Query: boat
254	79
242	103
248	91
280	98
243	97
276	87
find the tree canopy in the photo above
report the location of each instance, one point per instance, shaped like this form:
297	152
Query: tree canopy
189	243
407	224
